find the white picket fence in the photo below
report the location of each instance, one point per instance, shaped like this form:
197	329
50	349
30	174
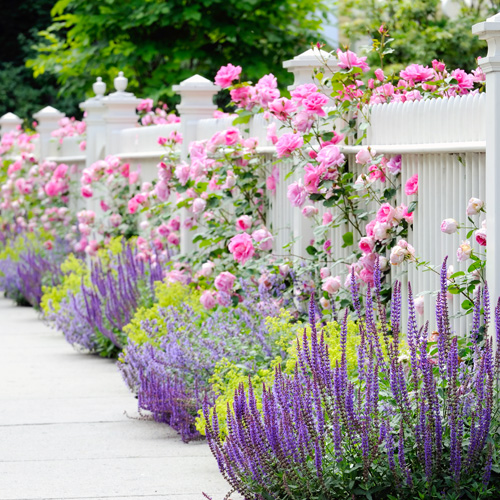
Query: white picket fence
430	135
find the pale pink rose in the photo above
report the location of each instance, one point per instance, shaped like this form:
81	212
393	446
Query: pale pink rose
303	92
264	239
394	165
363	156
173	239
284	269
324	272
207	268
303	121
282	108
417	73
84	229
464	251
297	194
480	236
419	305
327	218
325	303
287	144
115	220
314	103
398	255
92	247
182	172
348	60
231	136
366	244
176	276
61	171
241	246
244	222
271	133
379	75
226	75
230	180
312	177
474	206
449	226
366	276
309	211
199	204
83	145
224	282
331	284
411	186
133	177
48	245
330	156
385	213
208	299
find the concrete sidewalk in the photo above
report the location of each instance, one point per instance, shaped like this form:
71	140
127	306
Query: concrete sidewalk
69	427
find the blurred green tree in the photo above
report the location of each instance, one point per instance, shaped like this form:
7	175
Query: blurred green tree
159	43
422	30
19	91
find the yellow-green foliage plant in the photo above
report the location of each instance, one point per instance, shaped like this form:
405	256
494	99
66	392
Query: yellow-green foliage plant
228	376
174	295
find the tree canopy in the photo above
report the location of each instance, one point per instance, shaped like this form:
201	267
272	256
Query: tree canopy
159	43
422	30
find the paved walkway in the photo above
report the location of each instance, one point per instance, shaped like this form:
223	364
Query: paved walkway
64	433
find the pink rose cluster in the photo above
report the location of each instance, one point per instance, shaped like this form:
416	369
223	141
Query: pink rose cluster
156	116
69	127
243	246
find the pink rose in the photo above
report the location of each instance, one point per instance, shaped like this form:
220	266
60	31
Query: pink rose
173	239
115	220
207	268
303	92
331	285
231	136
312	177
348	60
224	282
87	192
264	239
314	103
366	244
182	172
282	108
449	226
419	305
417	73
241	247
480	236
208	299
327	218
385	213
198	205
133	177
309	211
379	75
297	194
287	144
226	75
324	272
244	222
474	206
61	171
364	156
330	156
411	186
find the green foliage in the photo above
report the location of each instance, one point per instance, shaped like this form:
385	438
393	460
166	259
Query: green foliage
421	31
19	91
158	43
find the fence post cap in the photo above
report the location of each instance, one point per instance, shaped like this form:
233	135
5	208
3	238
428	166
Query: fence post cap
11	119
313	57
486	28
49	113
196	82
